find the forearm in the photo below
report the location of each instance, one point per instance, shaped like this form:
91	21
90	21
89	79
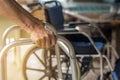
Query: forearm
14	11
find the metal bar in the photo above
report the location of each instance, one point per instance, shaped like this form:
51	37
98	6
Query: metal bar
7	31
71	54
57	51
4	52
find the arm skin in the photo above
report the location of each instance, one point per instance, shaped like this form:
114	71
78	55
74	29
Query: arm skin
42	37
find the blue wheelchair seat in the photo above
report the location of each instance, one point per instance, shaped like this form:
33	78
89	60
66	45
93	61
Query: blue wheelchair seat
83	46
99	45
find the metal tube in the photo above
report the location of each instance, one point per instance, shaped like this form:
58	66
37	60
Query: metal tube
57	51
4	52
7	31
72	56
99	53
110	66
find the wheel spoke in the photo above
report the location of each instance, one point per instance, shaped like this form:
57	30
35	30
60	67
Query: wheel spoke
42	77
40	59
35	69
55	67
47	57
55	77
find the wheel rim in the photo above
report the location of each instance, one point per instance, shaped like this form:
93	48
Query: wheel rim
33	71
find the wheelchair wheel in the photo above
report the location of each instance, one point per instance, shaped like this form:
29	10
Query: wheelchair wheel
39	64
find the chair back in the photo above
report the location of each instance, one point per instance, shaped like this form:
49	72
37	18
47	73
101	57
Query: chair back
54	14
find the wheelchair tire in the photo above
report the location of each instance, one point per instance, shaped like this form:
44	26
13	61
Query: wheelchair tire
47	72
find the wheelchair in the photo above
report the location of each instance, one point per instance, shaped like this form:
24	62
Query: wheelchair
50	70
55	17
66	58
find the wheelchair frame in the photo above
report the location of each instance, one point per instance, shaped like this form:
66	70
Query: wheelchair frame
4	53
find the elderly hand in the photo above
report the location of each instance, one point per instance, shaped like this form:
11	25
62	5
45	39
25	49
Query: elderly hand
43	37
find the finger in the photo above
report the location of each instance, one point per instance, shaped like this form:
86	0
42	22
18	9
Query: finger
48	42
53	39
43	42
38	43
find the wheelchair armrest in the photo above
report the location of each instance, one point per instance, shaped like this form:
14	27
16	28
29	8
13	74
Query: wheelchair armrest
78	23
67	30
74	24
82	23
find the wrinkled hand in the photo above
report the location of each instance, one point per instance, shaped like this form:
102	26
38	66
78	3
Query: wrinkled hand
43	37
